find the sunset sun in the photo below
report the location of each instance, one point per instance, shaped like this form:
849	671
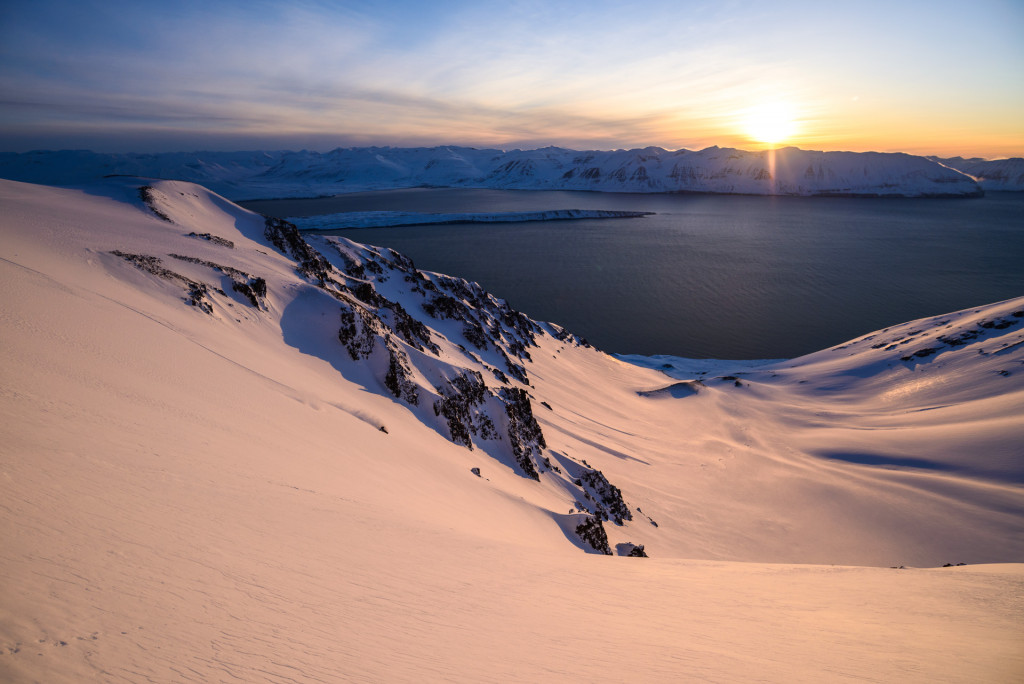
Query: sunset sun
770	123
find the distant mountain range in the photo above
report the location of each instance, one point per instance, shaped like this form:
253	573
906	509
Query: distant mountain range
787	171
995	174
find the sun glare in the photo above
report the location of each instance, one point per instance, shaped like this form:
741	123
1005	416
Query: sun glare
770	123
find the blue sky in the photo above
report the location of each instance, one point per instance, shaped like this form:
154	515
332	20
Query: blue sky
925	77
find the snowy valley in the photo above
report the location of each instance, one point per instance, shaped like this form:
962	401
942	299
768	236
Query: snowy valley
233	451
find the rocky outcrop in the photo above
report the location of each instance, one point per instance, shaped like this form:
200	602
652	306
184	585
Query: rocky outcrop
453	354
605	498
249	286
591	532
524	432
149	198
460	403
197	293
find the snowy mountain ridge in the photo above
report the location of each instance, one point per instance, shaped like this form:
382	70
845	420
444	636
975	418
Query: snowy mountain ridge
219	432
253	175
465	365
994	174
440	377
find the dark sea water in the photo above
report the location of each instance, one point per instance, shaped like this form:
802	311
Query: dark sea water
712	275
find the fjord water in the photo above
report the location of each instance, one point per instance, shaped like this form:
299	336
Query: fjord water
711	276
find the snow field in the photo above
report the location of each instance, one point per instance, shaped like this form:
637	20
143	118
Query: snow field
192	497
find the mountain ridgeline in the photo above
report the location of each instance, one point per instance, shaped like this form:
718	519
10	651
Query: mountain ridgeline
786	171
480	399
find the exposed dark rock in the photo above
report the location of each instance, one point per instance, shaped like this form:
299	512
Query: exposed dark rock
254	290
198	296
565	336
608	502
964	337
367	294
401	261
514	369
524	432
475	333
250	286
287	239
409	329
591	531
398	379
358	331
460	398
445	306
631	550
212	238
197	292
146	194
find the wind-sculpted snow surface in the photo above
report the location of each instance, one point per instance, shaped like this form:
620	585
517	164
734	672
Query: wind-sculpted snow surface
787	171
280	481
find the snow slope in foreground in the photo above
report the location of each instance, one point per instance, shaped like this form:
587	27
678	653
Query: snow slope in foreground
196	485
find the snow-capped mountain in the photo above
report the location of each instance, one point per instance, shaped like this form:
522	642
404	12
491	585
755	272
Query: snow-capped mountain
995	174
787	171
68	167
230	450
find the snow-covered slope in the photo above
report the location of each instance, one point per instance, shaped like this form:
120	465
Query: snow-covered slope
994	174
230	453
787	171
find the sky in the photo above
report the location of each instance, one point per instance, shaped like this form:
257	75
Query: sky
925	77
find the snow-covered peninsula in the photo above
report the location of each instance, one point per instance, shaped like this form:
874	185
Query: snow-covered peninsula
383	219
231	451
252	175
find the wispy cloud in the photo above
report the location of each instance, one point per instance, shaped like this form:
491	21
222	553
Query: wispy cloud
666	73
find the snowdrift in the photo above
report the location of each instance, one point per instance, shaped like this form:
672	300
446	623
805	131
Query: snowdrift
234	452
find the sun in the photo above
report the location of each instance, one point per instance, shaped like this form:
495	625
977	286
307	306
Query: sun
770	123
